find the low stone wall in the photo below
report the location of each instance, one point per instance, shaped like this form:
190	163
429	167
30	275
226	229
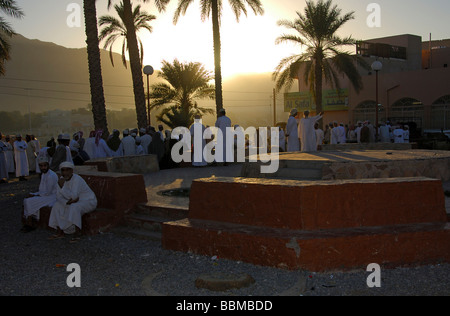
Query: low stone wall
437	168
128	164
369	146
317	226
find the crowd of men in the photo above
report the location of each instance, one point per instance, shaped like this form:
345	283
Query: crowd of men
20	157
305	135
68	195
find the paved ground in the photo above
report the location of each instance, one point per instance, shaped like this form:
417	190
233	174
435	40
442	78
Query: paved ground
113	265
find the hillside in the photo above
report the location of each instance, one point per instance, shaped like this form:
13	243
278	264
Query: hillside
43	76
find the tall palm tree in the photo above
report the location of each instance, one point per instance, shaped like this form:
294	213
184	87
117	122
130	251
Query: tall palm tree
95	68
135	59
10	8
322	56
186	83
115	29
214	8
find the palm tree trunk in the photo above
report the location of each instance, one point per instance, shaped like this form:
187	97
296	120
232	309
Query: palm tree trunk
318	89
95	68
135	65
217	55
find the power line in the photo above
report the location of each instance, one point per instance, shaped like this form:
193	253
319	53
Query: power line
62	91
55	98
63	82
118	86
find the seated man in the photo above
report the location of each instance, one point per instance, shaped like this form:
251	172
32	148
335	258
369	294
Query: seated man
46	196
74	198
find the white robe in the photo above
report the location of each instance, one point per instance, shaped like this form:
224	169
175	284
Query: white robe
46	196
139	150
21	159
398	135
69	155
3	164
63	215
307	133
102	150
292	134
222	123
406	136
31	151
197	160
341	135
129	146
334	136
145	142
319	136
10	158
89	147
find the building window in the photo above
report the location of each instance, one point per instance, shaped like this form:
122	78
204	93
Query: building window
407	110
440	113
365	111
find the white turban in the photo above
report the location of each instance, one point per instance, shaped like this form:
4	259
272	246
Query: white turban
42	159
67	164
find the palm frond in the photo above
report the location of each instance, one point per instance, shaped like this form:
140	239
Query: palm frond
10	8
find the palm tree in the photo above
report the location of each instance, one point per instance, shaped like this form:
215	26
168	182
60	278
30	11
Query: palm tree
186	83
95	68
214	8
135	59
115	29
10	8
322	56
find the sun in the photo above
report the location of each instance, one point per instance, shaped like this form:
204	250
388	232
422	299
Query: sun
246	47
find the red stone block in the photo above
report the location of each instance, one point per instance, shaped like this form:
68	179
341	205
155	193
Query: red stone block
339	249
117	191
317	226
312	205
117	195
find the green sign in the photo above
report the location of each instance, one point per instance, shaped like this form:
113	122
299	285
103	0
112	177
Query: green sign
332	100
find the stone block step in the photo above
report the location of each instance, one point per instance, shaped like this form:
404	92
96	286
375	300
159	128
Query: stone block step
293	173
137	233
163	211
145	222
304	164
321	250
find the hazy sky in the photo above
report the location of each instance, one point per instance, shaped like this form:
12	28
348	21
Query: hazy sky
248	46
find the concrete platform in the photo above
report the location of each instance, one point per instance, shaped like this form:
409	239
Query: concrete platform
357	164
315	225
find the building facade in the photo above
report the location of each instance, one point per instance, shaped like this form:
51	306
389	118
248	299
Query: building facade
413	85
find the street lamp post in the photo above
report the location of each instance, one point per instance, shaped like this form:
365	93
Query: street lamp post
376	66
148	70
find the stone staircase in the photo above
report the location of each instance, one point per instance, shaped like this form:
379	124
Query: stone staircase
147	219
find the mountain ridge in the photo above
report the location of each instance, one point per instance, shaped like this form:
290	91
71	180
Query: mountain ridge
43	76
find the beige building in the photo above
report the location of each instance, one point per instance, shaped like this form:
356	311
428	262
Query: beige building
413	85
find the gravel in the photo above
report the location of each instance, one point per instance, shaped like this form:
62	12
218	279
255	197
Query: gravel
112	265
